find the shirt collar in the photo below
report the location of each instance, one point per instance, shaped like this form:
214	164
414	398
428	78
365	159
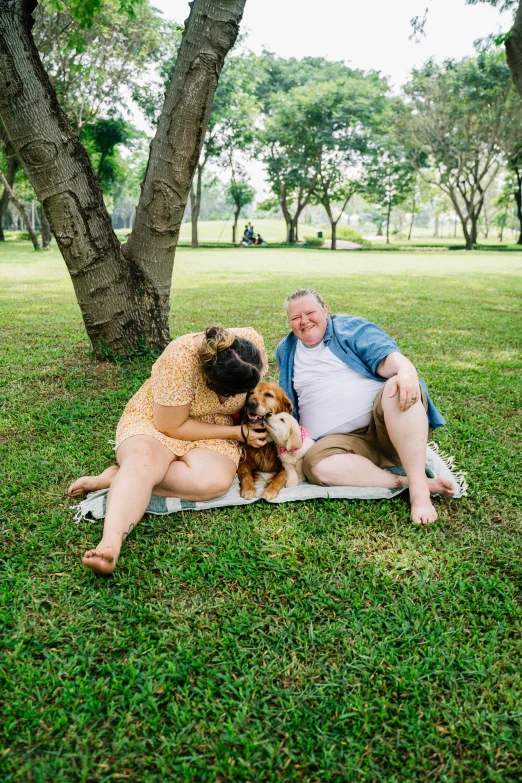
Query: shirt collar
328	335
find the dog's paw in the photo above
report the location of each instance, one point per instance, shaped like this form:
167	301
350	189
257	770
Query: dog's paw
247	493
292	481
270	493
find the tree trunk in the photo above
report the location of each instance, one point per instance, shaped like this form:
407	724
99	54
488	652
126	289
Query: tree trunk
45	229
412	217
286	212
123	292
195	204
325	200
21	209
486	224
475	211
193	218
234	227
333	225
518	200
436	229
388	216
12	168
514	50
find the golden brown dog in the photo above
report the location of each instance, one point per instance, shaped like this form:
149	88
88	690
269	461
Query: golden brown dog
266	398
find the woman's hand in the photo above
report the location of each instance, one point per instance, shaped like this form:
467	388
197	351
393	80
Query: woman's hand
406	385
254	437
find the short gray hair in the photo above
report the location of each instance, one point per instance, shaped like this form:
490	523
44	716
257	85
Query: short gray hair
305	292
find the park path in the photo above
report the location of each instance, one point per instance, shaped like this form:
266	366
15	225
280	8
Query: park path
343	244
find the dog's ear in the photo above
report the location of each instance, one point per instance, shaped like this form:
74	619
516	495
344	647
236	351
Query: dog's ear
294	436
287	405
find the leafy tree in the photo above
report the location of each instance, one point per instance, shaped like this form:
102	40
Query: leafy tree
315	130
95	59
341	117
455	120
123	291
240	194
285	144
389	179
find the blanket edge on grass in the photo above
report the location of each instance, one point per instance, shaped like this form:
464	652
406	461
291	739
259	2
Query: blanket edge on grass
438	465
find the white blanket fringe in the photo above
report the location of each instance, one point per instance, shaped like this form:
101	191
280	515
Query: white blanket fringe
437	465
449	461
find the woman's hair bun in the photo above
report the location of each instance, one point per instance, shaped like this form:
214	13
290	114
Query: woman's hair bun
216	339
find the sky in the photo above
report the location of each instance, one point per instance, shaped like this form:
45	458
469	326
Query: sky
367	34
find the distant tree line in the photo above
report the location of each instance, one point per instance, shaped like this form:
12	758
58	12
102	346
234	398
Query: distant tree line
324	131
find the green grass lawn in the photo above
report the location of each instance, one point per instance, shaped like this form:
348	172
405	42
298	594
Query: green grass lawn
318	641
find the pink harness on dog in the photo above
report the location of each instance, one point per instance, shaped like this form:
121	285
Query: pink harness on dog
304	434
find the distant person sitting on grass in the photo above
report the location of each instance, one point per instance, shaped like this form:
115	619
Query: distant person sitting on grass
176	436
362	401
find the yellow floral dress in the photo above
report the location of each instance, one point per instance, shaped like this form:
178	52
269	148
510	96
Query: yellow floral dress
177	378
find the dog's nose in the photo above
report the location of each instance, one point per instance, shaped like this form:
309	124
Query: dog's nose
267	415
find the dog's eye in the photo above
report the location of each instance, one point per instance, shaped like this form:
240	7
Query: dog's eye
269	394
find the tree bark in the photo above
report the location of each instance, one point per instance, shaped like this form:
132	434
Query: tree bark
286	213
302	201
514	50
45	229
518	200
21	209
234	227
195	204
388	217
123	292
333	223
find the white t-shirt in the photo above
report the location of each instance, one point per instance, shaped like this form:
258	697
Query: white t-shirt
332	397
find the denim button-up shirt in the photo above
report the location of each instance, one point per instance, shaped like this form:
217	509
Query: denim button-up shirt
359	344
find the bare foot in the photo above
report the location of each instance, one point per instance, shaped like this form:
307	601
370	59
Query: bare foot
422	510
441	486
102	559
92	483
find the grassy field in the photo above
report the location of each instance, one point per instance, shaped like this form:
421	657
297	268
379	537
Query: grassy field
320	641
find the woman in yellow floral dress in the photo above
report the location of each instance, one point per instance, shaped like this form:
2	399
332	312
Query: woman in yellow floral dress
176	436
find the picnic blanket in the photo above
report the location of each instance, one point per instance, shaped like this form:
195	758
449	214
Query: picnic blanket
438	465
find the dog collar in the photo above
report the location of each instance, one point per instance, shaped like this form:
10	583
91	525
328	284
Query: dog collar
304	433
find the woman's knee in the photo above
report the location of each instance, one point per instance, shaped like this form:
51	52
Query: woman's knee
144	454
215	486
312	469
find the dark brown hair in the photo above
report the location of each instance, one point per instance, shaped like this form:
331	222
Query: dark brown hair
232	364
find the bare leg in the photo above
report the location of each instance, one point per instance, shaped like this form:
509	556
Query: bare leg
202	474
352	470
92	483
408	431
143	464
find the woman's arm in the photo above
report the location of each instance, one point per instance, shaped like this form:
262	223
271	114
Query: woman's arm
175	422
406	381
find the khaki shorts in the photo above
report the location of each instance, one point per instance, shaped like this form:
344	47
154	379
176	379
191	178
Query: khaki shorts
372	442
